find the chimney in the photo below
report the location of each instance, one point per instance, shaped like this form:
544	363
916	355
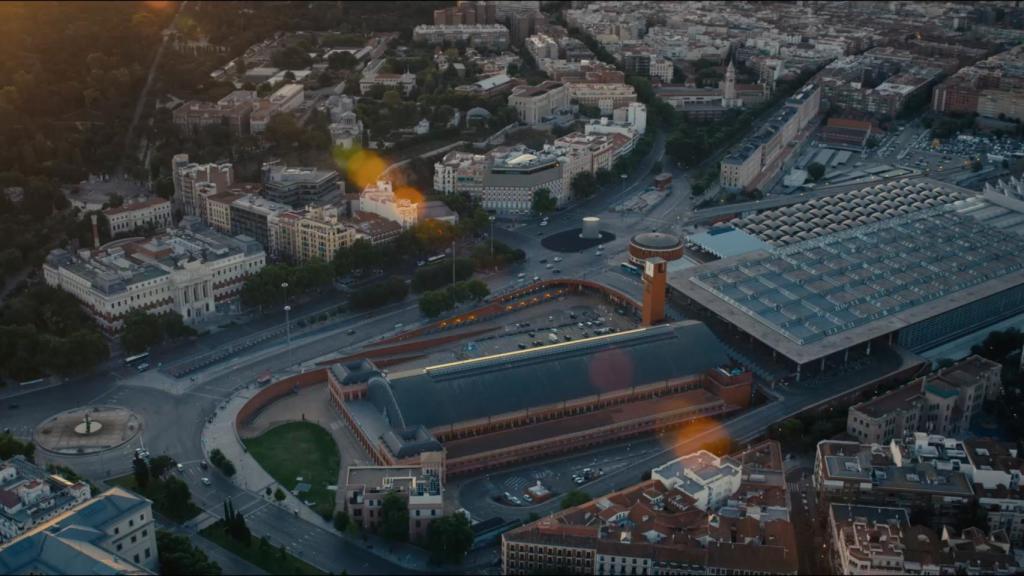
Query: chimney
95	232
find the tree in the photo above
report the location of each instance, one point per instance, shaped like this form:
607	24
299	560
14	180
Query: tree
340	521
279	495
291	58
141	331
177	556
11	446
141	472
449	538
175	494
218	459
815	170
341	61
543	202
574	498
584	185
394	514
433	303
159	465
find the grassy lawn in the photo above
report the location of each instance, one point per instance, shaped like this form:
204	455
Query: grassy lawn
268	558
154	492
300	449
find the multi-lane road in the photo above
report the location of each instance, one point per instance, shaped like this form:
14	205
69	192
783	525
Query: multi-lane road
175	410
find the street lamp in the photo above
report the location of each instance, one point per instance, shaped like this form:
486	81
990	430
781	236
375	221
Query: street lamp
491	218
288	331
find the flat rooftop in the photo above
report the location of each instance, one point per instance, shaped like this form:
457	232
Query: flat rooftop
828	293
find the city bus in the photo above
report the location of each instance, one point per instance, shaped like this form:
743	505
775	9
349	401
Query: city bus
137	358
631	269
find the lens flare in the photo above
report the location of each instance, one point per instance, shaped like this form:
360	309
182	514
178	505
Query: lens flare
364	167
699	434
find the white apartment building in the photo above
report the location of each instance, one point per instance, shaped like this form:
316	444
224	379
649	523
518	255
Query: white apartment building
542	47
534	103
607	97
188	176
458	170
113	533
29	496
380	199
191	270
155	212
708	479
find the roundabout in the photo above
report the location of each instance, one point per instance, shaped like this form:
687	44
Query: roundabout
572	240
87	430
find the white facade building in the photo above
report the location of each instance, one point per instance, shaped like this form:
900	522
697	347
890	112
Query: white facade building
380	199
708	479
29	496
191	270
154	212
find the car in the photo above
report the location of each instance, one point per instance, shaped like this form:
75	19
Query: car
536	278
558	259
205	481
572	315
579	325
521	346
531	334
543	260
516	501
142	367
350	332
544	223
527	498
399	326
567	338
181	468
557	271
549	266
590	324
521	275
203	464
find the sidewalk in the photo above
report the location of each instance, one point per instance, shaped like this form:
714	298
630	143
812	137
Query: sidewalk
250	476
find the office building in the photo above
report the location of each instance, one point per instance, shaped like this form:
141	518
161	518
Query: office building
381	199
606	97
490	36
298	187
535	104
146	213
192	181
233	110
251	216
191	270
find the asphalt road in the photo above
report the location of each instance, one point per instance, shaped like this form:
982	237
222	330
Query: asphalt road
476	494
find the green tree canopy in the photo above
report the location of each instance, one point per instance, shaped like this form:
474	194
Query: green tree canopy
449	538
394	521
574	498
543	202
178	556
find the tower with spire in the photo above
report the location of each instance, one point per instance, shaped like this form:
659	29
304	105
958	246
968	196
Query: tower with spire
728	86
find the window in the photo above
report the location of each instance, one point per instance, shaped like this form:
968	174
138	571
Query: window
136	558
134	538
119	546
145	533
147	552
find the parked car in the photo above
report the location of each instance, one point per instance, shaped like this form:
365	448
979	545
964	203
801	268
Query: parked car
205	481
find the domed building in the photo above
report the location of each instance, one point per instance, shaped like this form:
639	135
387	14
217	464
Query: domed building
650	244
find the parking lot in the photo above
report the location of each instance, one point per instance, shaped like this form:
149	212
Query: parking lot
564	319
